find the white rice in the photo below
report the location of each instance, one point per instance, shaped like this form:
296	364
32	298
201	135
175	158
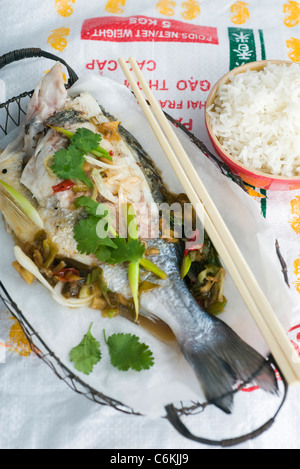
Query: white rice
256	118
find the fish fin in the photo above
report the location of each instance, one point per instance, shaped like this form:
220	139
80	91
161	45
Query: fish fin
226	361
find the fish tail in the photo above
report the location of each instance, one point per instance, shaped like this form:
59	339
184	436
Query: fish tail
225	361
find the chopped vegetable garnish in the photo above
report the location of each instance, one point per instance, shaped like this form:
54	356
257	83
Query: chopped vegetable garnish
88	241
133	278
90	205
87	354
134	267
185	266
68	164
127	352
148	265
113	250
67	275
85	140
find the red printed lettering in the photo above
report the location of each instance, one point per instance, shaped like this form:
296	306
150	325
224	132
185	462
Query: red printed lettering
126	83
147	29
182	85
158	85
112	65
151	65
204	85
188	125
91	65
171	104
196	104
193	85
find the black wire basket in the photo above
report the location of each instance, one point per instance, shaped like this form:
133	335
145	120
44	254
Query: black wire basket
12	114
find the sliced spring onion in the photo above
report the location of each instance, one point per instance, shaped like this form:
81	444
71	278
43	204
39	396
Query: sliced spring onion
29	265
134	266
101	164
185	266
218	307
134	277
70	302
25	205
148	265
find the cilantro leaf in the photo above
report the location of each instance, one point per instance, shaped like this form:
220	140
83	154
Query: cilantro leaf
86	140
126	352
68	164
86	354
91	206
91	234
88	241
92	237
132	251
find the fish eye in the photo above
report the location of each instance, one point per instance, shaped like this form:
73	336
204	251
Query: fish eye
4	171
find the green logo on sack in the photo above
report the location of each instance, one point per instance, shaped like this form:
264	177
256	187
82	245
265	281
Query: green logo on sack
242	46
242	51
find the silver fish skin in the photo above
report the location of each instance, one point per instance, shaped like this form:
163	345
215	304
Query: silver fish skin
219	357
217	354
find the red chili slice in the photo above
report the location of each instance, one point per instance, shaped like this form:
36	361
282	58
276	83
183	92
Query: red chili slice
62	273
194	247
63	186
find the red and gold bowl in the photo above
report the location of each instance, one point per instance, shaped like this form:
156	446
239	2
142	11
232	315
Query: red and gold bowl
250	176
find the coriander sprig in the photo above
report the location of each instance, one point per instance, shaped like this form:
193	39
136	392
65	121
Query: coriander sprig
86	354
113	250
125	351
85	140
68	162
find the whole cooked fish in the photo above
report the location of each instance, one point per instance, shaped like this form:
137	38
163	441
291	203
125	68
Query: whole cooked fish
220	359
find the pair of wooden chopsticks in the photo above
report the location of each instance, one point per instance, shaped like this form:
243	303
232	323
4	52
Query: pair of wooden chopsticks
277	340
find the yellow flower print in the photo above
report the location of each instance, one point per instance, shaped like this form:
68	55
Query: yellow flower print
64	8
18	342
294	45
57	38
295	211
297	285
115	6
166	7
240	11
192	9
297	266
293	13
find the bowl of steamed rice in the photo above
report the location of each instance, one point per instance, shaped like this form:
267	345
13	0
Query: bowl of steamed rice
253	120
